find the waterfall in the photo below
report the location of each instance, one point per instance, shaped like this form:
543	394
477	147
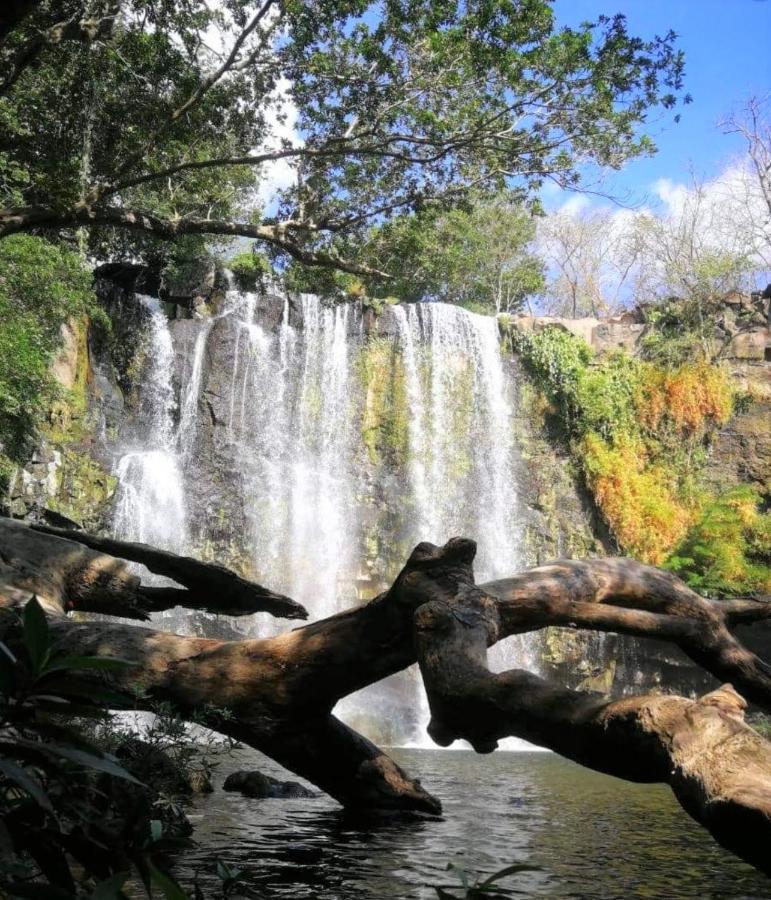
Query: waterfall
269	451
188	420
461	432
291	424
150	503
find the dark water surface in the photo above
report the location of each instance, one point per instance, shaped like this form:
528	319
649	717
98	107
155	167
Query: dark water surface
593	836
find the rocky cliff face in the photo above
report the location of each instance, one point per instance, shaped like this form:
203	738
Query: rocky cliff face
72	473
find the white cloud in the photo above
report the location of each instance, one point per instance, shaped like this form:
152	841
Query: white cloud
671	194
575	205
282	125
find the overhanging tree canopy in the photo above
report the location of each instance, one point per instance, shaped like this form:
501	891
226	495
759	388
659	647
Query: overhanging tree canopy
156	117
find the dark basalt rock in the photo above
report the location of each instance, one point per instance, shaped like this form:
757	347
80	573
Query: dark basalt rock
258	786
131	277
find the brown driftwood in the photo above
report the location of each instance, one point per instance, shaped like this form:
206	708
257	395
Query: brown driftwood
208	586
717	766
279	692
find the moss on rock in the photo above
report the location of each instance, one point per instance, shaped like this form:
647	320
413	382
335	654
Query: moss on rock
84	489
385	415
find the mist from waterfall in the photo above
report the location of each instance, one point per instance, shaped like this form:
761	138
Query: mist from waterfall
289	419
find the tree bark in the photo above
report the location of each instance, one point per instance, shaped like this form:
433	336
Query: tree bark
277	694
717	766
208	586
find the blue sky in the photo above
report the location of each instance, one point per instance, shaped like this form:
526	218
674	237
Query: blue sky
727	45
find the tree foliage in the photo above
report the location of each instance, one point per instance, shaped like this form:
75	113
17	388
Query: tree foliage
42	285
159	118
477	256
76	823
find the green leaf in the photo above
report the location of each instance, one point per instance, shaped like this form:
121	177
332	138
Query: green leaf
26	782
7	651
36	637
451	867
111	888
82	690
171	890
102	763
225	872
509	870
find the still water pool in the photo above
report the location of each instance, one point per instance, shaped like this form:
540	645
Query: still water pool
592	836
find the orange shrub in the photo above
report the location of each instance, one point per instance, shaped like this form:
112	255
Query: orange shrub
638	498
688	399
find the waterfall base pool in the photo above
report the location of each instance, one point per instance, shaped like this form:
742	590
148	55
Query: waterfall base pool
591	836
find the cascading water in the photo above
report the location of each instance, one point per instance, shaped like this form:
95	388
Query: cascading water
271	415
291	424
189	407
150	503
461	432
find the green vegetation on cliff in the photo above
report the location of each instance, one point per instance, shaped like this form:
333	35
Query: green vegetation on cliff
385	417
42	286
249	268
728	550
639	431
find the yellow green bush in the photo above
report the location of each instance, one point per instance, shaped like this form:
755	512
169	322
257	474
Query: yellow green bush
639	498
639	430
728	550
686	401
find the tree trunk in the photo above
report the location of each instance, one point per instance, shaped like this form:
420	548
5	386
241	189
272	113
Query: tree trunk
277	694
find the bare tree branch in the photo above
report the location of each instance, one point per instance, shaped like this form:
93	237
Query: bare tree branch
285	236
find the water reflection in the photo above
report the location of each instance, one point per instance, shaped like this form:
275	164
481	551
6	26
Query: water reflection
593	837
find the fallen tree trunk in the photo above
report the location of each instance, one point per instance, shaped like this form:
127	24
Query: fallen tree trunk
717	766
277	694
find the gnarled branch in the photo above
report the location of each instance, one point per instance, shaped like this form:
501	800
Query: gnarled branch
70	570
285	236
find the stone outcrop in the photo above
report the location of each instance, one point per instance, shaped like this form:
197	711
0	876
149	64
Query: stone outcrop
67	476
257	786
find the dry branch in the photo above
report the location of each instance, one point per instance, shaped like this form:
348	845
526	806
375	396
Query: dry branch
208	586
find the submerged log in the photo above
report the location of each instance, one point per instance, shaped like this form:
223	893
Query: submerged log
277	694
